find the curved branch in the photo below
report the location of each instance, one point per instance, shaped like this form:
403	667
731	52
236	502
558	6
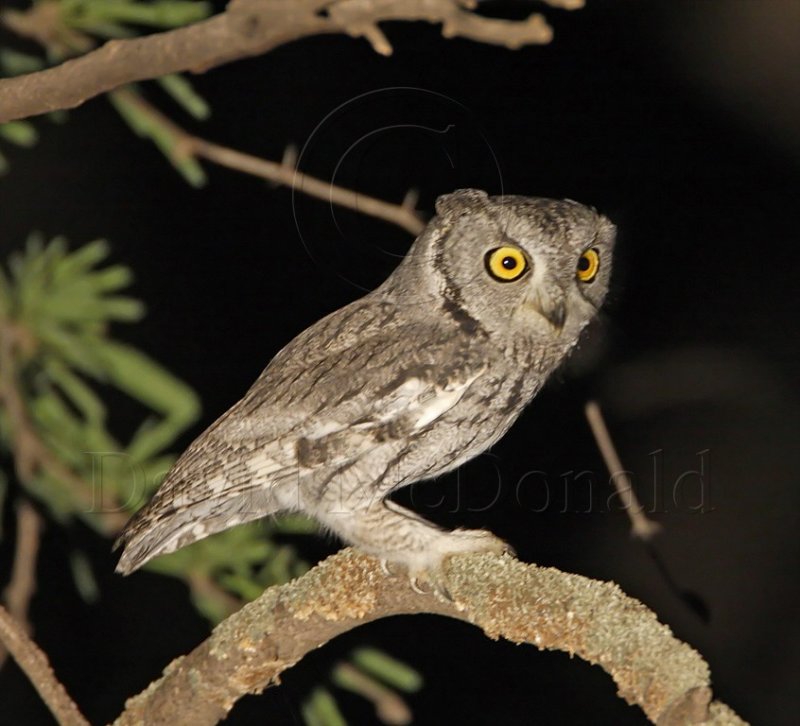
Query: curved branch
504	597
247	28
35	665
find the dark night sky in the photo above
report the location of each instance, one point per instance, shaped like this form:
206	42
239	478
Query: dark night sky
679	121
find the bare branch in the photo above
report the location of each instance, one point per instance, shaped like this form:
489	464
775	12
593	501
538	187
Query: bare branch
247	28
641	526
390	708
22	584
184	145
35	665
504	597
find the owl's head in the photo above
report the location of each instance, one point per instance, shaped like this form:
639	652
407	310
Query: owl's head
522	265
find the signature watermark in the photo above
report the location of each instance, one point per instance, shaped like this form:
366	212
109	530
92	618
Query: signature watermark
119	484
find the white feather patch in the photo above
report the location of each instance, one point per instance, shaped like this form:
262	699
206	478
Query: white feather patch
435	401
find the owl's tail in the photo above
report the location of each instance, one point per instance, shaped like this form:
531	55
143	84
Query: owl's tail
159	529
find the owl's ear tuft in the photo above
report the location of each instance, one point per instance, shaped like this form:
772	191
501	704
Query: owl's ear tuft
460	201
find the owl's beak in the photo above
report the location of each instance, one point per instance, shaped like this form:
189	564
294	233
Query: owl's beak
555	314
552	306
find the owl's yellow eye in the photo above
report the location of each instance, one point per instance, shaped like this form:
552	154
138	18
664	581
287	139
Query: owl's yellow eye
588	265
506	263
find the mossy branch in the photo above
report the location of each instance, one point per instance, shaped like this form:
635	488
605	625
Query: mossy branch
504	597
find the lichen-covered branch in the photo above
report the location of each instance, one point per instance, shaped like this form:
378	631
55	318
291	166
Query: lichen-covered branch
247	28
502	596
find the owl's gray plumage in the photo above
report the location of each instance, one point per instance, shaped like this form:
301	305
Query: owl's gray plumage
410	381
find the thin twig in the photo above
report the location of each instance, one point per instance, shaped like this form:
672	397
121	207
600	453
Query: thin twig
283	173
504	597
33	662
248	28
22	585
390	707
641	526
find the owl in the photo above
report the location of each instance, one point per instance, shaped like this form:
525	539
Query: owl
404	384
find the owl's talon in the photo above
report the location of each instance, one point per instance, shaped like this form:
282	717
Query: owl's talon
444	594
386	569
414	582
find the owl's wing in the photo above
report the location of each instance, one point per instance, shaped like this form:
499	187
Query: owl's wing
304	413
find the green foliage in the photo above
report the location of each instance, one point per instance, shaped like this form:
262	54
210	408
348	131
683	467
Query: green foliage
94	16
233	567
149	126
320	709
389	670
20	133
59	305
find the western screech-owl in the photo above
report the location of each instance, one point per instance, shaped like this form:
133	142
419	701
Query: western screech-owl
415	378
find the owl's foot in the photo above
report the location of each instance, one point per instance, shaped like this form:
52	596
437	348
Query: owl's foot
397	536
386	568
427	567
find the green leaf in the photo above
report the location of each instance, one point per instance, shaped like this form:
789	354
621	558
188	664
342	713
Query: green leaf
184	94
241	585
81	395
277	569
58	499
109	278
21	133
83	577
59	116
15	63
142	378
124	309
101	28
60	428
160	13
149	126
69	306
80	351
294	524
394	672
321	710
81	260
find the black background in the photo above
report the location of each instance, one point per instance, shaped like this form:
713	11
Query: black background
680	121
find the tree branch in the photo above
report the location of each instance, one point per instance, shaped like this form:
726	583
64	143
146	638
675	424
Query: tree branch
641	525
504	597
183	146
248	28
35	665
22	584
